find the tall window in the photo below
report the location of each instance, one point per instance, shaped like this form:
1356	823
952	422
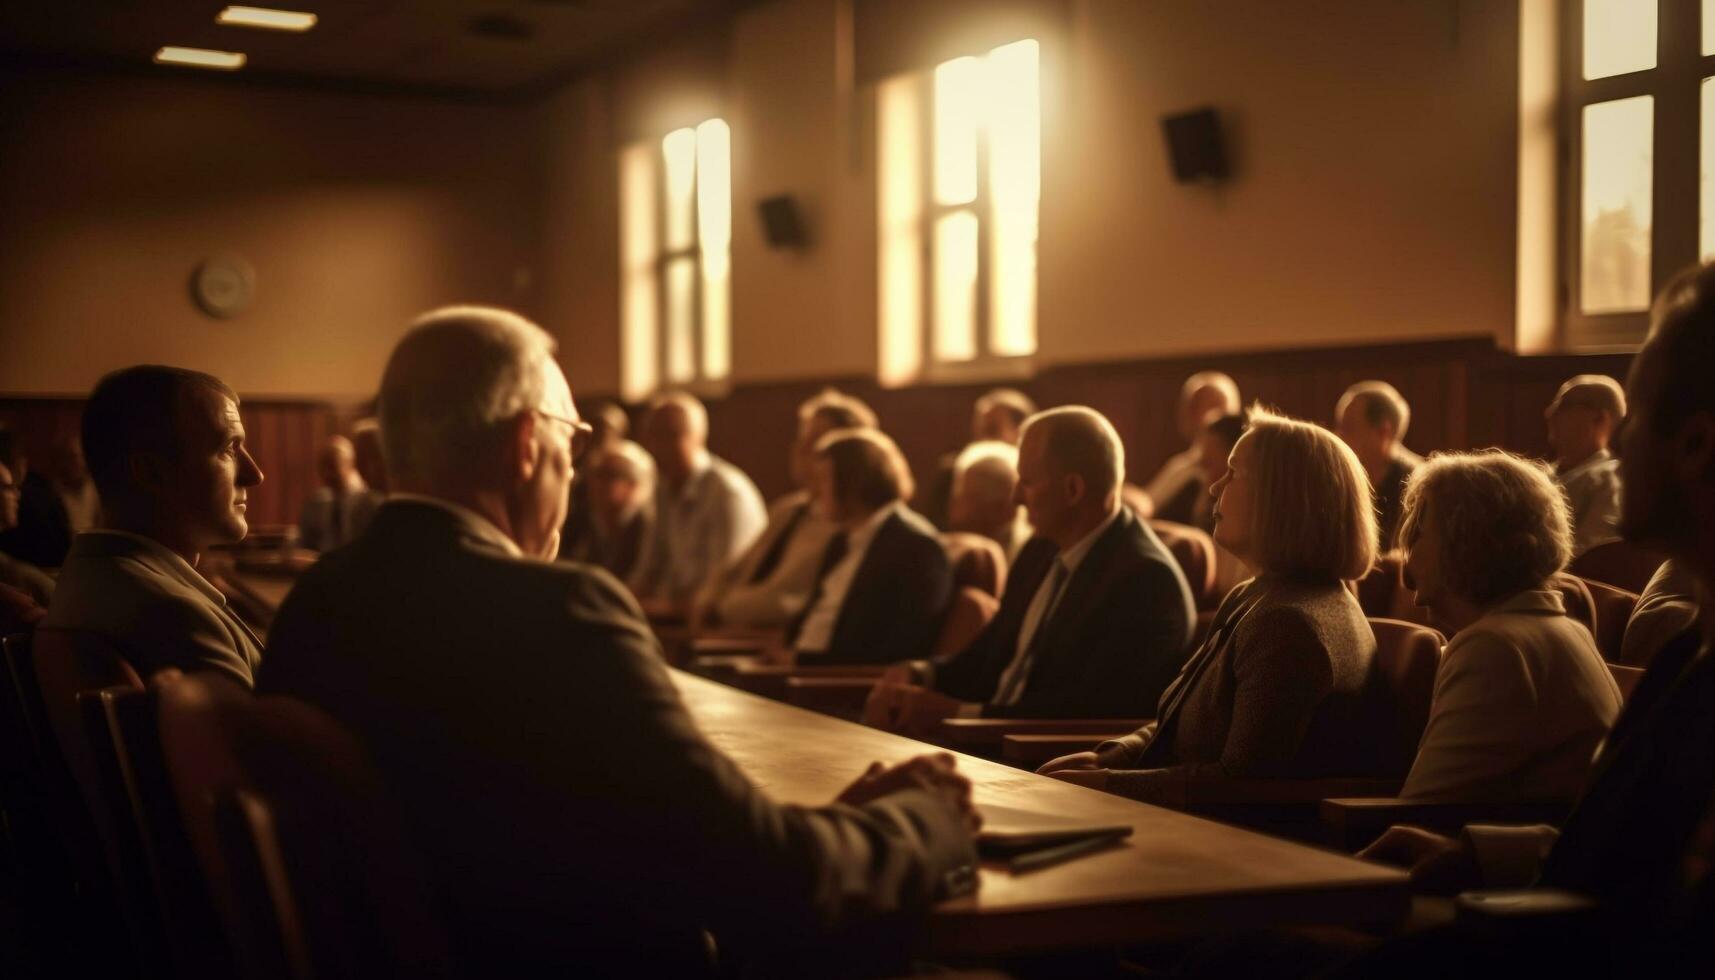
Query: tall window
675	204
1641	117
960	165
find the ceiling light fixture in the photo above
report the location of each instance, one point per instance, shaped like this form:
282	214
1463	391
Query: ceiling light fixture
266	19
200	58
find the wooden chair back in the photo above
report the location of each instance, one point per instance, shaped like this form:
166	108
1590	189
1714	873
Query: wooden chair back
1618	563
304	854
1194	550
67	663
1402	684
967	615
1626	677
1613	608
978	562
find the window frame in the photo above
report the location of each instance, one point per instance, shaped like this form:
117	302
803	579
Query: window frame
1675	85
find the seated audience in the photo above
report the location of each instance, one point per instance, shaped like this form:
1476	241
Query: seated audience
1666	610
1372	417
884	581
706	510
770	582
984	502
620	495
1639	840
1581	422
70	476
166	451
571	817
1522	697
1215	445
1096	617
43	532
1173	492
608	428
996	417
1277	688
19	576
339	509
366	444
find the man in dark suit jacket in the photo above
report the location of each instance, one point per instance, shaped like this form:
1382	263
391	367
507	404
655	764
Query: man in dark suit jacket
1097	616
569	814
884	582
1641	841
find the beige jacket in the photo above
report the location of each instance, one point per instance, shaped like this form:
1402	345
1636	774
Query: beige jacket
1522	701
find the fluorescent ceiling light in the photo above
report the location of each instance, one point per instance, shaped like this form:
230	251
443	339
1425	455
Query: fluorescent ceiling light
268	20
200	58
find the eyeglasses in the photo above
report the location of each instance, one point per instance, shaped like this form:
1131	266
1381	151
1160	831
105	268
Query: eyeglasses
582	432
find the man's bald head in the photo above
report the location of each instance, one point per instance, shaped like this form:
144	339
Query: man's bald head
676	433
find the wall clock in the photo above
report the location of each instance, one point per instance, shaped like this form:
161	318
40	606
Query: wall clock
223	285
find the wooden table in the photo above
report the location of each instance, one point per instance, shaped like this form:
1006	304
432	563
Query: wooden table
1176	875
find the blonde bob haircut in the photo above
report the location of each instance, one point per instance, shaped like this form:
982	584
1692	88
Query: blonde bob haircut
1501	523
1314	515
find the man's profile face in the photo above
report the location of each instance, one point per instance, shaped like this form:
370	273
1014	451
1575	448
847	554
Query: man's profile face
1040	490
208	486
546	494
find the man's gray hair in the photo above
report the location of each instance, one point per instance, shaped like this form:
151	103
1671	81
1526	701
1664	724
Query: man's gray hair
1081	440
458	374
989	465
1381	403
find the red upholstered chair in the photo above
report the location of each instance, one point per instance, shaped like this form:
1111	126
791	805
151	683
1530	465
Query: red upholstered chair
1402	684
1613	608
978	562
1618	563
1194	550
304	854
967	615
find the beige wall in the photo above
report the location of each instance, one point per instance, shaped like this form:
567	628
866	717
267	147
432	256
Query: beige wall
357	212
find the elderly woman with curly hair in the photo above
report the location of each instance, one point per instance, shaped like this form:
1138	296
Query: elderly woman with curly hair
1278	688
1522	697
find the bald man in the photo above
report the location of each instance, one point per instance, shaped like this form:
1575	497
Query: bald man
706	510
1581	422
339	509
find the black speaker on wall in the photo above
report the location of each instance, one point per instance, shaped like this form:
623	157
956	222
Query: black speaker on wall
1194	146
782	222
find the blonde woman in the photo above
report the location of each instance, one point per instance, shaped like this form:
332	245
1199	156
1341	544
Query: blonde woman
1522	697
1277	688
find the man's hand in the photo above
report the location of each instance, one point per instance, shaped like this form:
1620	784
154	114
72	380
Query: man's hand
1076	761
551	547
1439	865
907	708
935	773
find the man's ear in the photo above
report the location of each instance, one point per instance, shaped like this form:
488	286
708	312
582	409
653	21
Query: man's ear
1076	488
524	452
1696	445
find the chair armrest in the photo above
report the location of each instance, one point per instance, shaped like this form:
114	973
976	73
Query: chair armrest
842	697
722	666
705	645
1353	823
985	735
1033	750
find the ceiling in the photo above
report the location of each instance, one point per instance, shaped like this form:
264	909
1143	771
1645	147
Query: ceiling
477	47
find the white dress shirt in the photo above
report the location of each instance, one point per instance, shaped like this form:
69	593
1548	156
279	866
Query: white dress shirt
701	528
818	628
1042	605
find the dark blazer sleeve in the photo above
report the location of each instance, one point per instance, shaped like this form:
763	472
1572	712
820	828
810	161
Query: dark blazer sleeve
713	841
898	597
1136	643
972	673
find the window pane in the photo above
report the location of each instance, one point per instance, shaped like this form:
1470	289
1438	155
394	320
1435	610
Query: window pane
1618	155
956	287
958	110
679	150
1015	182
899	151
638	180
1709	26
1706	195
714	238
681	312
1619	37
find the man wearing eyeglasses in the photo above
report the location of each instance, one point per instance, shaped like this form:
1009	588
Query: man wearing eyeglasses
569	814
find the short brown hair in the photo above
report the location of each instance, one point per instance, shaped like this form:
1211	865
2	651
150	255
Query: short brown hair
868	467
1314	514
838	409
1382	402
135	410
1596	391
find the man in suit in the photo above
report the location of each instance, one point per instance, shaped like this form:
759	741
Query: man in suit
1641	840
768	584
1371	417
166	450
1582	419
338	509
1096	618
570	816
884	581
706	510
